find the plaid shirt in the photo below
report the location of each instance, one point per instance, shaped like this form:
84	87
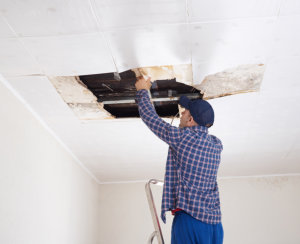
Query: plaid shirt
191	171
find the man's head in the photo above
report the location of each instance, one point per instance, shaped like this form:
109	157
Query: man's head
197	112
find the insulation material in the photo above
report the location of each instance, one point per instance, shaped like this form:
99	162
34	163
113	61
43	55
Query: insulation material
79	98
244	78
183	73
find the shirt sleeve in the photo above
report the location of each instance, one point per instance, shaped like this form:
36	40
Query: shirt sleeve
166	132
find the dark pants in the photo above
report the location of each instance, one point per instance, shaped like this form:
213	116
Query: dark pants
188	230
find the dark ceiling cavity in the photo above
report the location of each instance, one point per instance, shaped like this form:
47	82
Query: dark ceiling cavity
118	94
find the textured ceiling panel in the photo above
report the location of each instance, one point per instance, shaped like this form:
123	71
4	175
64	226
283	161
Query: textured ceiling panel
281	78
122	14
15	59
150	46
71	55
6	31
49	17
290	7
231	9
231	40
286	37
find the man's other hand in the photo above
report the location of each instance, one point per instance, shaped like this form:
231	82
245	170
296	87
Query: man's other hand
141	83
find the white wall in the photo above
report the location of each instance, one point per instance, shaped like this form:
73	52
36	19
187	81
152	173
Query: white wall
45	196
262	210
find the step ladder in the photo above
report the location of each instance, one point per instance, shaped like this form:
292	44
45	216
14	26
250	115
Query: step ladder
157	233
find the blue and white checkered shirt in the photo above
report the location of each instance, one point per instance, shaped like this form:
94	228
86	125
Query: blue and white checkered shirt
191	171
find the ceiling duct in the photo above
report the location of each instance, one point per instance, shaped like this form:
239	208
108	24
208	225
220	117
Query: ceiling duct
118	95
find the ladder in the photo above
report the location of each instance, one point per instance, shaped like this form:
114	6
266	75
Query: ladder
157	233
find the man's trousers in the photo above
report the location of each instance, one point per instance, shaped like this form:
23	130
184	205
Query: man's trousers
188	230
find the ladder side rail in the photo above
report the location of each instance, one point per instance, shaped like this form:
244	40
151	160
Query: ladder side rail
153	211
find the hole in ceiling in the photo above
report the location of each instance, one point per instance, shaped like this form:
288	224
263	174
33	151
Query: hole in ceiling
117	93
110	95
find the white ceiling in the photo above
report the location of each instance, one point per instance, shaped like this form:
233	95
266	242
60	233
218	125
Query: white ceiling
260	131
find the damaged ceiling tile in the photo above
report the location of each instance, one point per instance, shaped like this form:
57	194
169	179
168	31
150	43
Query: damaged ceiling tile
183	73
72	89
89	111
242	79
79	98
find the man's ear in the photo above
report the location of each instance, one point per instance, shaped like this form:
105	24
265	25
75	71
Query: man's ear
192	121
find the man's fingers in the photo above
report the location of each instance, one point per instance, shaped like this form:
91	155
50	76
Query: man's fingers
140	77
143	81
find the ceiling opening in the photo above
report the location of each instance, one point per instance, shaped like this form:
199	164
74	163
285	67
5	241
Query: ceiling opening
112	95
117	93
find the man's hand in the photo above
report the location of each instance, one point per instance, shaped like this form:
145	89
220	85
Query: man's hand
141	83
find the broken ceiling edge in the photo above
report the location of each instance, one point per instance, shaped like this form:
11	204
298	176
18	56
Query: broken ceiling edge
240	79
79	98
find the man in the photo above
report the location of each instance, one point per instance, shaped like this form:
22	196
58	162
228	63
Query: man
190	184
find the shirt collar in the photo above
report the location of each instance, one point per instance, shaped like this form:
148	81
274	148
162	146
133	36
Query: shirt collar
199	128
